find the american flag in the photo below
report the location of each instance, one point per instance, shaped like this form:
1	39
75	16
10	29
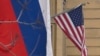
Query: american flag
72	24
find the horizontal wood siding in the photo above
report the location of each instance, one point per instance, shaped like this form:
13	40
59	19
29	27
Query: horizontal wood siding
91	12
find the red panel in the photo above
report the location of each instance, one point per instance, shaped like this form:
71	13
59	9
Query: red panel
10	32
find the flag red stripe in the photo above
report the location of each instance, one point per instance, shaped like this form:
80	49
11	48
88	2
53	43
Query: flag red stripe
79	32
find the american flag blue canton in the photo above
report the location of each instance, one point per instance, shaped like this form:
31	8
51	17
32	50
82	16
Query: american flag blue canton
76	16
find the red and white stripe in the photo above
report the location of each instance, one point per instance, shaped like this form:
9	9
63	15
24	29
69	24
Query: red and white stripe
75	34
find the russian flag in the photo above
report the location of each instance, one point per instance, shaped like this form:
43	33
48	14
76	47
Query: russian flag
25	28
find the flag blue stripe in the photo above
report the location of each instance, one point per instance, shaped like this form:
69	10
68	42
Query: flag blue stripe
33	29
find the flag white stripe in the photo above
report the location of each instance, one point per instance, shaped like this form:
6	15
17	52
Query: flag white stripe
84	46
85	49
80	30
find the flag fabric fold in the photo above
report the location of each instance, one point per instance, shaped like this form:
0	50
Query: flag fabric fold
72	24
25	28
